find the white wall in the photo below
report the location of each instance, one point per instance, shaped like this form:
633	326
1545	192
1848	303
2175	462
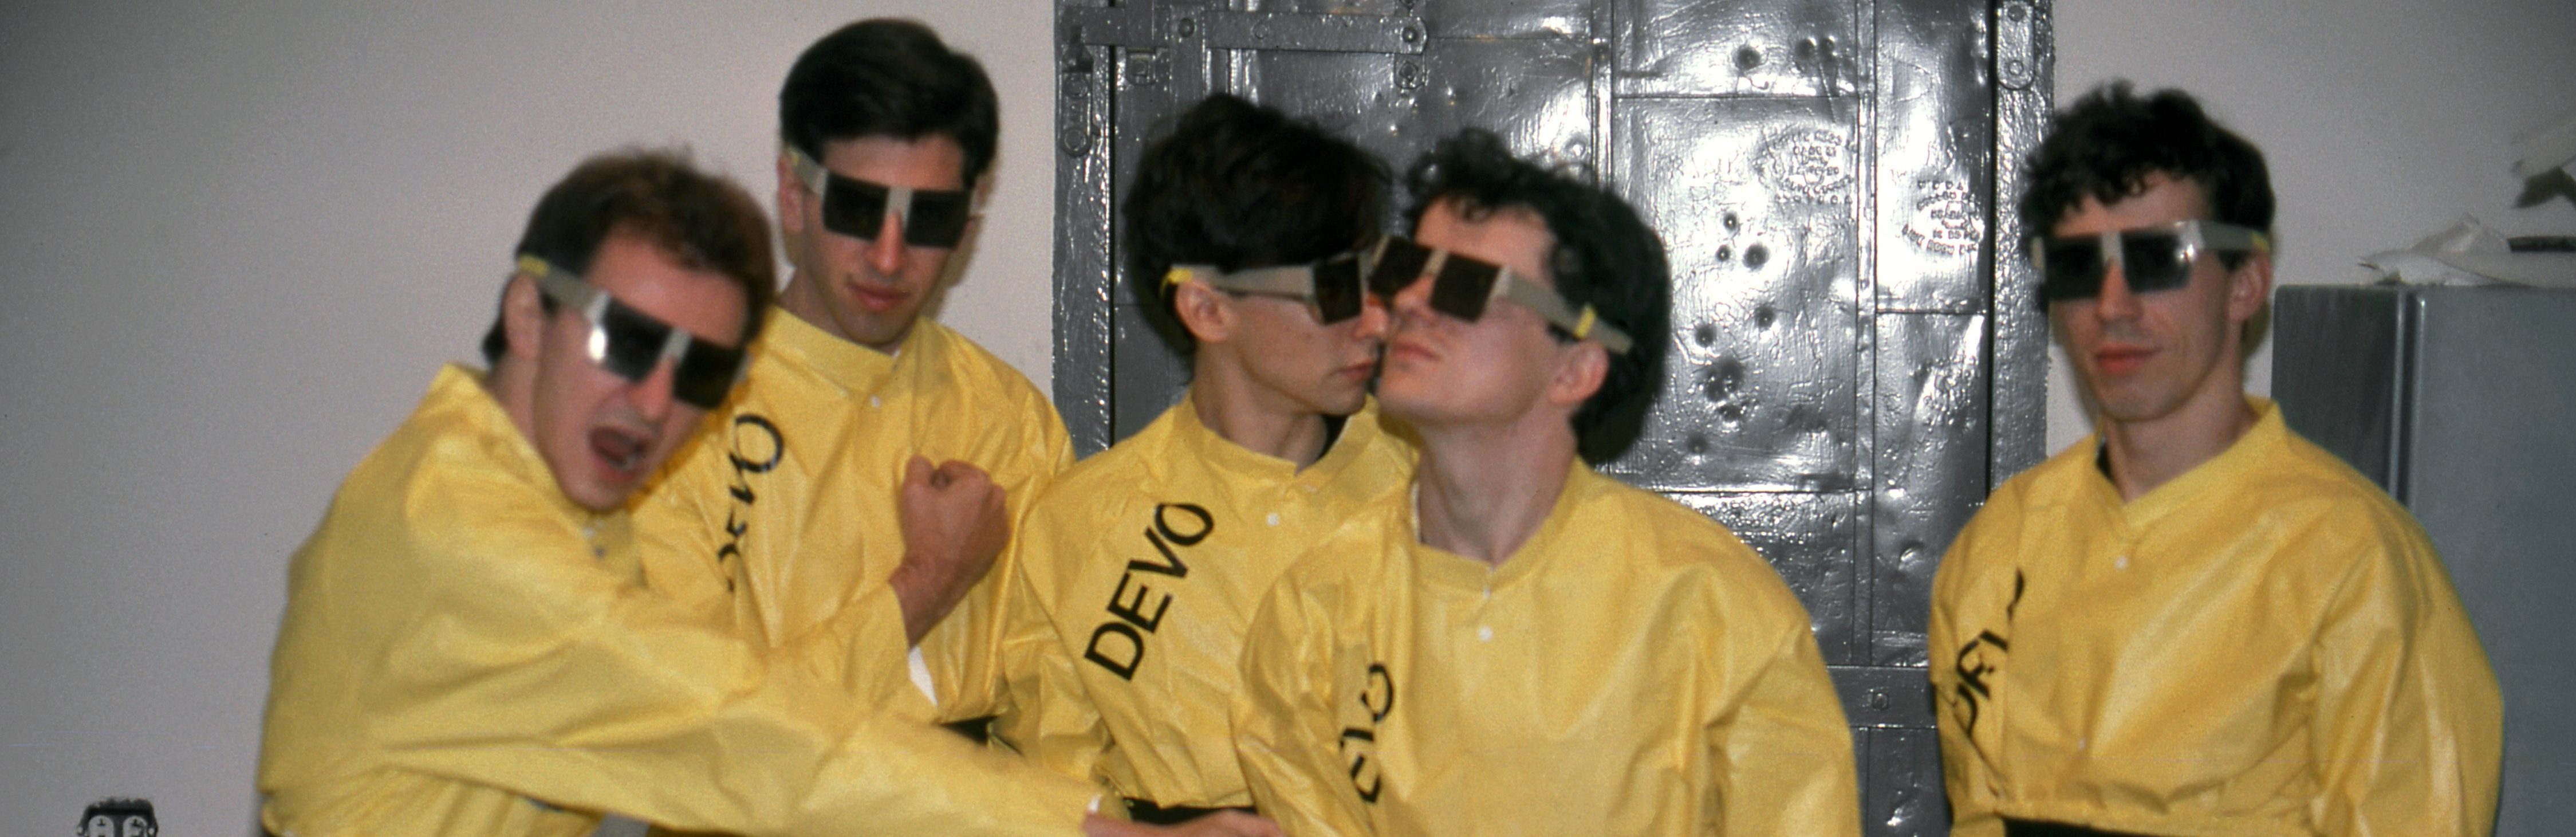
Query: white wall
2383	121
236	241
237	238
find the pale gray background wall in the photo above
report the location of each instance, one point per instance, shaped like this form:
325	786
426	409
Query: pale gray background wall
237	238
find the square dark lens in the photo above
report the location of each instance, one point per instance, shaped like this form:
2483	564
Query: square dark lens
1463	287
705	374
2073	268
1337	289
854	208
1397	266
937	219
2153	262
634	341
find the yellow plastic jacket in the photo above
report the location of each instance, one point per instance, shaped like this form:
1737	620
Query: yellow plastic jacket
2265	645
1633	669
467	652
788	506
1141	568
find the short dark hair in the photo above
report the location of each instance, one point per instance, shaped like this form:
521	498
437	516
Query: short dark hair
890	78
702	222
1605	257
2110	141
1238	186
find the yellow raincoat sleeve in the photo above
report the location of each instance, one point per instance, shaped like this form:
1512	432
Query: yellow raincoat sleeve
1044	711
682	564
591	694
455	647
966	651
1283	725
1787	749
1961	770
2407	709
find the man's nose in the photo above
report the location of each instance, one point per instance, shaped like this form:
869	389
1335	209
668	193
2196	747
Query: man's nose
2115	301
652	396
885	253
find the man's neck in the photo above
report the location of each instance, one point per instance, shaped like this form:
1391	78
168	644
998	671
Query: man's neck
2148	454
1482	492
1254	418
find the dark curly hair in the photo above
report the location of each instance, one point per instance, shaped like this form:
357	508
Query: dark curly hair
1238	186
890	78
701	221
1605	257
2107	144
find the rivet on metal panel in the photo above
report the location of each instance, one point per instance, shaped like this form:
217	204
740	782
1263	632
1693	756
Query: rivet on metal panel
1726	252
1756	256
1878	699
2013	47
1185	28
1412	31
1409	75
1764	315
1073	123
1144	69
1747	58
1705	335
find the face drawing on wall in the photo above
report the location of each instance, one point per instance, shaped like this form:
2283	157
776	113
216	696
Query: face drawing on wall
119	818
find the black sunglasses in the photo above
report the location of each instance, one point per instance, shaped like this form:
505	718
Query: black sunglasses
2152	258
1462	286
857	208
1331	288
630	342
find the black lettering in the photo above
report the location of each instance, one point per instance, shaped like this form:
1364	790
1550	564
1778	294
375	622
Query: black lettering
1175	569
1972	668
1368	789
1378	684
1132	609
748	426
1135	649
1163	523
777	444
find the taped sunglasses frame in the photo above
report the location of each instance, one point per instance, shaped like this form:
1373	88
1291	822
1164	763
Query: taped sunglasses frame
2151	258
1332	289
1462	286
856	208
630	343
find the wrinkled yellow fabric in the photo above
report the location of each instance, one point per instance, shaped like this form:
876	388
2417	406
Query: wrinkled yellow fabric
466	652
2265	645
788	505
1632	669
1141	568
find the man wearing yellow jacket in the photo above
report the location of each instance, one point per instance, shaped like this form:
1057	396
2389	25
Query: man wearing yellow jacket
2193	622
468	647
1517	645
1141	567
788	513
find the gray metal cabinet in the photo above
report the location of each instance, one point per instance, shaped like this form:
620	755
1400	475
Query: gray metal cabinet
1856	360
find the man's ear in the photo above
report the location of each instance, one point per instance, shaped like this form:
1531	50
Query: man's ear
1207	312
1580	369
2249	286
791	197
523	317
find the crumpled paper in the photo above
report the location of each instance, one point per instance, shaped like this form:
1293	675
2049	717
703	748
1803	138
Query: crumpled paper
2469	253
